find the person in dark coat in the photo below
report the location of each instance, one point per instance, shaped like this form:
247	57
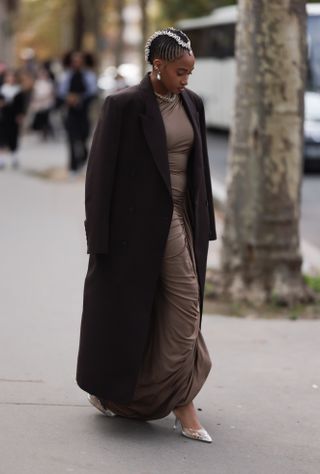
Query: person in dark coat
77	89
149	219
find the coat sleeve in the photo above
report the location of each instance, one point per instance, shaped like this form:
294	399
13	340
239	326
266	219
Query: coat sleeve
212	232
100	177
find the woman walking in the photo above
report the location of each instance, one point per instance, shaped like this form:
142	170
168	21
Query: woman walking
77	89
149	217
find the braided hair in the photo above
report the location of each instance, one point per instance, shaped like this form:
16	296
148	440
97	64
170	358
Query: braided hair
168	44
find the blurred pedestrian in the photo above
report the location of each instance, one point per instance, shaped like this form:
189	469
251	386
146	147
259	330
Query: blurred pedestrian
77	88
42	102
3	69
149	219
11	116
26	82
48	66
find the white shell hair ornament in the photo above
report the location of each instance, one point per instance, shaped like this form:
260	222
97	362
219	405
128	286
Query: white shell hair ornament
167	32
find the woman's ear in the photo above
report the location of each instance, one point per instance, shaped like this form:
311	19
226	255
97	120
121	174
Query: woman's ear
157	63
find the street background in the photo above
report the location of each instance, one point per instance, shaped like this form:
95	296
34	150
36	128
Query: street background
261	400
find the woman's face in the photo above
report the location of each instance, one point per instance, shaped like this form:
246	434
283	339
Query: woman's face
175	74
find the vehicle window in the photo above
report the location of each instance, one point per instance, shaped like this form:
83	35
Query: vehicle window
313	66
213	41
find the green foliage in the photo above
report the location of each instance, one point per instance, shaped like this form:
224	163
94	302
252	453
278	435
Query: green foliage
174	10
224	3
312	282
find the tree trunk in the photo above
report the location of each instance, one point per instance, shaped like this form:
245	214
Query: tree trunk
119	4
261	259
8	11
92	12
144	32
78	24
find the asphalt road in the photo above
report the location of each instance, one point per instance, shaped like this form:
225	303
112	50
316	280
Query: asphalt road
310	208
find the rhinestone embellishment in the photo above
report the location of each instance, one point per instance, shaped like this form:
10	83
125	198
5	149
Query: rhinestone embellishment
166	32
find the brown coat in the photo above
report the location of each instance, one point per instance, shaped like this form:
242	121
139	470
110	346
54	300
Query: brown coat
128	214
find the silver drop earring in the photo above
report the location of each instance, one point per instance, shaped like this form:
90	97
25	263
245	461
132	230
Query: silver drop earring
158	75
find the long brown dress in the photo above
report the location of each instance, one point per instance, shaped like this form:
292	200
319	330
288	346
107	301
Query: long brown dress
176	361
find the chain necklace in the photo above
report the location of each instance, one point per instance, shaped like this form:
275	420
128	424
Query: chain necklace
167	98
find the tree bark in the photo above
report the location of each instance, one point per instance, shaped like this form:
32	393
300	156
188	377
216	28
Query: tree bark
87	18
118	53
144	32
92	24
8	12
79	25
261	259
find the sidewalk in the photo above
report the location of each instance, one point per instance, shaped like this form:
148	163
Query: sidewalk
260	402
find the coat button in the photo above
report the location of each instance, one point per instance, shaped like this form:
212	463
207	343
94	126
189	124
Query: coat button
124	243
131	209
